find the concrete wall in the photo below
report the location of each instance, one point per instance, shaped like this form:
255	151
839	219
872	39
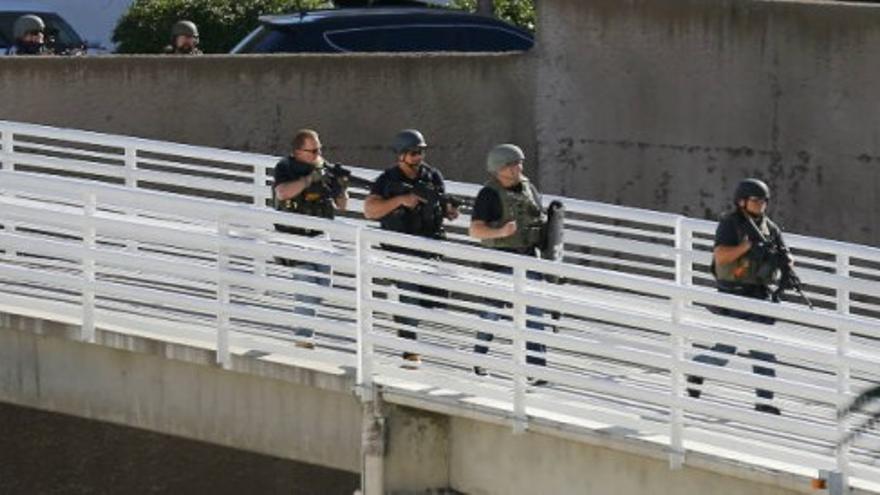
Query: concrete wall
463	104
666	105
489	459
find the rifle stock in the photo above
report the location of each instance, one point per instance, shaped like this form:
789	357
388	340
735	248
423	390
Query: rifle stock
781	259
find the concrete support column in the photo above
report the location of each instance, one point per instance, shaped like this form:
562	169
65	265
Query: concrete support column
373	448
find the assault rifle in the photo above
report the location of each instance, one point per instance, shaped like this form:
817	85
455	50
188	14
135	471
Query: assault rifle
337	178
777	257
432	195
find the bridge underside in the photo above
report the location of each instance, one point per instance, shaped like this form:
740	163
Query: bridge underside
309	413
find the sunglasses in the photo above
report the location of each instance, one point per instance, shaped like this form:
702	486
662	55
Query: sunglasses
314	151
416	152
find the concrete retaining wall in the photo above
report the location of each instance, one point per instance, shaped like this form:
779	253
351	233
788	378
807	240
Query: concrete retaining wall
464	104
666	105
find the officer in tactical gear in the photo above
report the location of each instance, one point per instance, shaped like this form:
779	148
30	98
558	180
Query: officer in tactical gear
741	267
302	185
508	216
30	39
393	200
184	39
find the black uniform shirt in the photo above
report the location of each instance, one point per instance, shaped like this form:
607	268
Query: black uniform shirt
425	219
388	184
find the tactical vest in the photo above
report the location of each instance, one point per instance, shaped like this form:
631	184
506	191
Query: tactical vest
314	200
425	220
747	270
521	206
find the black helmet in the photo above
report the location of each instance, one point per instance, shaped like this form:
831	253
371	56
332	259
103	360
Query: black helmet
408	139
751	188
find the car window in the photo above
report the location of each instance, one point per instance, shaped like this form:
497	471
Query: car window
64	34
266	39
426	37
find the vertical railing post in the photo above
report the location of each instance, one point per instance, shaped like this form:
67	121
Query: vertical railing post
520	420
130	167
6	162
260	195
90	207
364	316
130	175
223	298
843	368
373	430
259	199
677	344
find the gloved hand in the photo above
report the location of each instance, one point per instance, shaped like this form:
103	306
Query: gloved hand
316	176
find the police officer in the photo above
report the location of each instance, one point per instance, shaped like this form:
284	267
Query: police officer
30	39
508	216
741	267
393	200
303	185
184	39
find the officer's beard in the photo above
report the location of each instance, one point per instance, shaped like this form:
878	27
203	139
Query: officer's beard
186	48
30	47
757	217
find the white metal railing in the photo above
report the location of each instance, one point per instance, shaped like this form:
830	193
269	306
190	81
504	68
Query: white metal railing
206	270
838	275
622	345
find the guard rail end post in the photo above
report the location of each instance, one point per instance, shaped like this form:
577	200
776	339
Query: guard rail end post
520	420
223	357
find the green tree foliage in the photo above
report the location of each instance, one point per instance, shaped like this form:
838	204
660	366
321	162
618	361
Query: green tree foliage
146	27
518	12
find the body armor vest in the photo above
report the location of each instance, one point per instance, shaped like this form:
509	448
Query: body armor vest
314	200
521	206
425	220
748	269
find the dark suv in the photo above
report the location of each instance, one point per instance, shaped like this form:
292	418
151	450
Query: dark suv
383	29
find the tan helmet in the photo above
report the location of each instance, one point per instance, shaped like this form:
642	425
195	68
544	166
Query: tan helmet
27	24
185	28
502	155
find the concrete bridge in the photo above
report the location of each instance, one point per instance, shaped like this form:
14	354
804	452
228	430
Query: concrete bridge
128	296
